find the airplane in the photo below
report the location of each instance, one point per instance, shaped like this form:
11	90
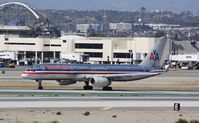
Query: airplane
99	75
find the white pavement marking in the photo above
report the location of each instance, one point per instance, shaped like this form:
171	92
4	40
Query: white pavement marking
77	102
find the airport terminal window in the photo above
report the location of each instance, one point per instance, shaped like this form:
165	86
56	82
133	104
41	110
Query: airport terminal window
6	39
88	46
94	54
10	43
121	55
53	45
46	45
56	45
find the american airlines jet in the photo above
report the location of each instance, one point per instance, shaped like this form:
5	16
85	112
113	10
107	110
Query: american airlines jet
98	75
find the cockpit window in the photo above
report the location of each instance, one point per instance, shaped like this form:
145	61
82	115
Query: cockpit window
30	69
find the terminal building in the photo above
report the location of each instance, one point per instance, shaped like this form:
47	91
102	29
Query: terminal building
100	50
185	54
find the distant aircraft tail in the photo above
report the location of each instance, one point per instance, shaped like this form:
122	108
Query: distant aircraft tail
154	56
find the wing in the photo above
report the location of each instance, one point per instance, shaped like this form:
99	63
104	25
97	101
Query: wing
124	77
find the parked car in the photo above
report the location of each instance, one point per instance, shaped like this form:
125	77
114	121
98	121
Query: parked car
1	65
10	65
184	67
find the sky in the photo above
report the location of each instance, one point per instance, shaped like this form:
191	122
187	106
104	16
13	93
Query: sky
121	5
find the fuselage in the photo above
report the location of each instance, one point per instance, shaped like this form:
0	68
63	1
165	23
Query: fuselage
81	72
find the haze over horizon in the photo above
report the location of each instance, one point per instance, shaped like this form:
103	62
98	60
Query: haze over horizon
121	5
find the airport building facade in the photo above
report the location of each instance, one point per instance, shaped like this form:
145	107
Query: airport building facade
99	49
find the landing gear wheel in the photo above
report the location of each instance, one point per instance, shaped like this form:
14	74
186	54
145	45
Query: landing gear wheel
40	87
107	88
88	87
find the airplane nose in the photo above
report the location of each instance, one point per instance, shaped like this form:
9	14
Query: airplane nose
24	76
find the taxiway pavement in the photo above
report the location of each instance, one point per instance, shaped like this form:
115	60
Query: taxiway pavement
132	99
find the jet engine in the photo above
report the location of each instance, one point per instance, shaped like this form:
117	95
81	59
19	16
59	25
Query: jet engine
66	82
100	81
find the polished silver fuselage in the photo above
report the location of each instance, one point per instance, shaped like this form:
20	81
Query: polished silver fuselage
82	72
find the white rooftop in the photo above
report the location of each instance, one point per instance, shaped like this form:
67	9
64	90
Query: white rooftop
69	37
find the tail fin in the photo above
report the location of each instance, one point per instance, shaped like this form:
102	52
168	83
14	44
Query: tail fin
154	56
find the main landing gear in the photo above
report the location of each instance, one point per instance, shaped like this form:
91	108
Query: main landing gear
107	88
87	86
40	87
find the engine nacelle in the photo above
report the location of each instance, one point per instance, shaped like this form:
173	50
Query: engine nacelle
100	81
66	82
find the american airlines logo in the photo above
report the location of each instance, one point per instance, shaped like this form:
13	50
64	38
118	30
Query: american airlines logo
57	67
154	56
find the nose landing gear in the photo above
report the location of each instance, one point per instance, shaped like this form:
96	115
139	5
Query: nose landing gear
40	87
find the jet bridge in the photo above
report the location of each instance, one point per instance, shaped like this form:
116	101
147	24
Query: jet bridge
187	61
185	57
